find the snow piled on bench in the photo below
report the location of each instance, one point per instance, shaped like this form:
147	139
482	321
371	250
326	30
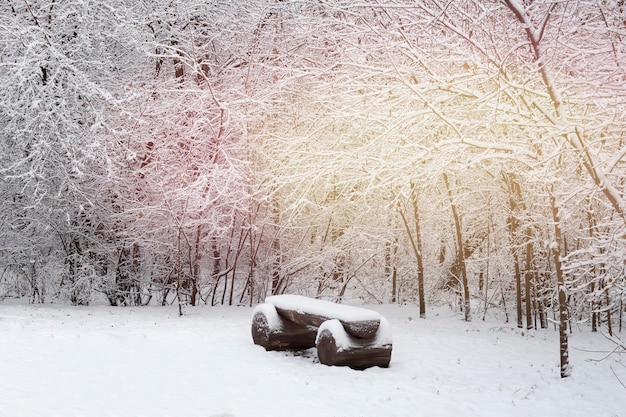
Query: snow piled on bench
334	326
323	308
383	335
269	311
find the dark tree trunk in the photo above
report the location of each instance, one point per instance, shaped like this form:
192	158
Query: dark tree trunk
515	204
609	320
594	314
420	263
195	267
527	283
416	244
391	271
563	314
461	252
518	294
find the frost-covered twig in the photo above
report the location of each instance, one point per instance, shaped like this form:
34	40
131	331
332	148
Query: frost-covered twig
617	377
620	347
605	356
619	343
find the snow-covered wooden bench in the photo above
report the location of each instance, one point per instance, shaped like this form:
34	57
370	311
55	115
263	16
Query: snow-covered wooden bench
343	335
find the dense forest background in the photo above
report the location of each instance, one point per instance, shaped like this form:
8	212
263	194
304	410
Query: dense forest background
462	152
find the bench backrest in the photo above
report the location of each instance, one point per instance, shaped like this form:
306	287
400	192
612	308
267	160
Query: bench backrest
357	321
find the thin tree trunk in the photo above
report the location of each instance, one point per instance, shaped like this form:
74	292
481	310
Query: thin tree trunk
416	245
250	283
563	313
394	284
461	252
518	294
420	263
195	269
178	277
277	277
242	241
391	271
506	311
621	314
228	252
179	268
485	279
216	267
594	314
515	204
592	285
609	320
528	275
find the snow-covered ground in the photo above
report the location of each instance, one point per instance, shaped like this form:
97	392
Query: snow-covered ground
103	361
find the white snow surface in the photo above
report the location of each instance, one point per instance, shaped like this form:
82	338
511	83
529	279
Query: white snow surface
147	361
343	312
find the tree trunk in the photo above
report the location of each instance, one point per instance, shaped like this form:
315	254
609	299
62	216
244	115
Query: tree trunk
527	283
592	285
420	263
515	202
461	252
563	314
621	314
195	269
242	240
416	244
594	314
518	294
394	284
391	249
178	278
609	320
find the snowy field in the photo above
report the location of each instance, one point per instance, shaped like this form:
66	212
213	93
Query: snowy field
102	361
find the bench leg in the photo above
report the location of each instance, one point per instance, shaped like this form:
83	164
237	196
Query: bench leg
275	333
335	347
